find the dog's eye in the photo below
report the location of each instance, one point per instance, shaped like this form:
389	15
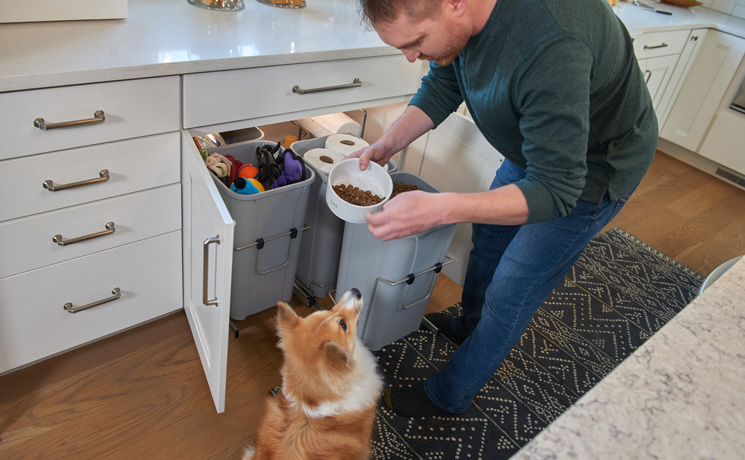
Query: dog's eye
343	325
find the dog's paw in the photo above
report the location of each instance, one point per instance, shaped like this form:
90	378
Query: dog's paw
248	453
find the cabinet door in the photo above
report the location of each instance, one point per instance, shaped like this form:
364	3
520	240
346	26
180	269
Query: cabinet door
703	88
683	66
208	261
657	72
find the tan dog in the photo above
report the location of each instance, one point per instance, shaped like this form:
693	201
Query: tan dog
330	387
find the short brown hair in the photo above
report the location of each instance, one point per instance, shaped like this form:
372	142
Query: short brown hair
382	11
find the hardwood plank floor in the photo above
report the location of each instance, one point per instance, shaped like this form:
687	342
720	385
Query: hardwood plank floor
142	393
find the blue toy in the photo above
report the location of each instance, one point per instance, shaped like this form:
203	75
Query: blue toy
246	186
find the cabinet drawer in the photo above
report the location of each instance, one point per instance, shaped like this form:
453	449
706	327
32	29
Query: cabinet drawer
28	243
34	324
131	108
220	97
655	44
132	165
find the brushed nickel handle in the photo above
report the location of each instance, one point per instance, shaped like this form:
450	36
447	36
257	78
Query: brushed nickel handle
663	45
205	270
103	176
355	83
110	228
71	309
98	117
647	76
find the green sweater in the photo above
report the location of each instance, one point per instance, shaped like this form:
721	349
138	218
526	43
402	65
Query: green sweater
555	87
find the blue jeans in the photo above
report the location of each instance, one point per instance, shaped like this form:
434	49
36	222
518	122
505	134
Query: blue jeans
511	271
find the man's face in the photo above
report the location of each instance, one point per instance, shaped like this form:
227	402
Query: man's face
437	39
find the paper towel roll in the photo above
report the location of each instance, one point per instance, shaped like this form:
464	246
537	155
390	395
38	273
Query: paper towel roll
345	143
325	125
323	159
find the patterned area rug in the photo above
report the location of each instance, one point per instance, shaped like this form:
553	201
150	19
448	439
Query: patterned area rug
619	293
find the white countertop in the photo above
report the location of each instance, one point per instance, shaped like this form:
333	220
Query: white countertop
171	37
678	396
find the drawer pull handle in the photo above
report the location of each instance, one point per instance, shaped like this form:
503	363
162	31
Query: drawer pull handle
205	270
110	228
103	176
663	45
355	83
70	308
647	76
98	117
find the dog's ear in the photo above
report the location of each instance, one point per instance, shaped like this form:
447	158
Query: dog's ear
337	355
286	316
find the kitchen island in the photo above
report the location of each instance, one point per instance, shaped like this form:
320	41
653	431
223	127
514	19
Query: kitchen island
679	395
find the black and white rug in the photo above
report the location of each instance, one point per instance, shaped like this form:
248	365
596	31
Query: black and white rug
619	293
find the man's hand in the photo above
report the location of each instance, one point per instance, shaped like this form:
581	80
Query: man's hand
407	214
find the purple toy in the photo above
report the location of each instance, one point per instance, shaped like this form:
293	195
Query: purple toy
293	170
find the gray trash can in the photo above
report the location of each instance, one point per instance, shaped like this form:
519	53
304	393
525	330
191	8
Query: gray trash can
318	264
268	234
396	277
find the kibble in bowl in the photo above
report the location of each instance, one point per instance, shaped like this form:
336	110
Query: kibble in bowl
374	187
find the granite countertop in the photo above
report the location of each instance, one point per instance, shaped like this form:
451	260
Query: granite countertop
678	396
171	37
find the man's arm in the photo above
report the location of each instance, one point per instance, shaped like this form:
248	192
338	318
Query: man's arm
415	212
405	130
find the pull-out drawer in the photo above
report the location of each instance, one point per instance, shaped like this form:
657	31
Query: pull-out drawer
53	237
221	97
34	319
653	44
60	118
131	165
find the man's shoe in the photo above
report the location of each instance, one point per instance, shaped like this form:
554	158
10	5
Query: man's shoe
442	322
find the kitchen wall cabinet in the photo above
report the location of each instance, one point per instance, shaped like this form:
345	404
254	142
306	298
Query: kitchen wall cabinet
702	89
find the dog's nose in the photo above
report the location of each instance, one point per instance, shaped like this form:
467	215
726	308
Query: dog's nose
356	293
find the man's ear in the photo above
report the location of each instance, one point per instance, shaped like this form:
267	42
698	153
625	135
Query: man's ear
458	7
286	316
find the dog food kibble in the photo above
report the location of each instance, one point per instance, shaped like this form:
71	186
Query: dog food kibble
400	187
356	196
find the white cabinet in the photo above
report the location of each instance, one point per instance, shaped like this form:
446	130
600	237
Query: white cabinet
239	99
90	230
658	54
702	89
657	73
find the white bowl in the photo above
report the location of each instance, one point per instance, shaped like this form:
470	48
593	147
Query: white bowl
347	172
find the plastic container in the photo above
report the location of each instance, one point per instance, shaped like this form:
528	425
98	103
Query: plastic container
269	230
318	263
396	277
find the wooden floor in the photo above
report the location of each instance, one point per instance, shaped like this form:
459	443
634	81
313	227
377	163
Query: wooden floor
142	393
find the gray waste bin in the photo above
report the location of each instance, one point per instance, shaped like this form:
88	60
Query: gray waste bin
396	277
268	234
318	264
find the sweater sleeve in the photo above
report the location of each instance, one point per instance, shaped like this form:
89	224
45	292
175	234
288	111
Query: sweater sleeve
552	96
439	95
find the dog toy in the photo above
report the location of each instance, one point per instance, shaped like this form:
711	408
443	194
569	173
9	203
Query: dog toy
294	169
219	165
269	169
248	171
235	166
246	186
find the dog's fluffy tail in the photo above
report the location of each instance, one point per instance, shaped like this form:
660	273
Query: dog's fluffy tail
248	453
